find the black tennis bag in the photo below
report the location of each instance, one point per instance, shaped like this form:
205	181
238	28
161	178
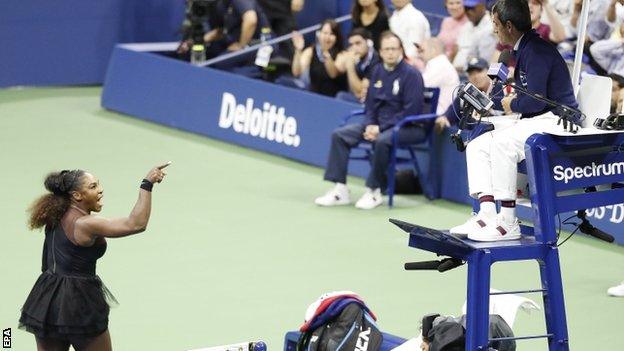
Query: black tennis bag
353	330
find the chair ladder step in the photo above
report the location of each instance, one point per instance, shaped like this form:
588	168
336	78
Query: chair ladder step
518	292
522	337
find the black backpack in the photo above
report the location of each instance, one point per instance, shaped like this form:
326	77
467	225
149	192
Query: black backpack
353	330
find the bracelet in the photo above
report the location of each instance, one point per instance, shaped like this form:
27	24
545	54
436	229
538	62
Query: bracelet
147	185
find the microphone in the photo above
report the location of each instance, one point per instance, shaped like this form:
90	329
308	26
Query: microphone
499	72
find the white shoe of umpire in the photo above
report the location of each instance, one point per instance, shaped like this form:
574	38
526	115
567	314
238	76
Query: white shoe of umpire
497	230
338	195
370	199
617	291
475	223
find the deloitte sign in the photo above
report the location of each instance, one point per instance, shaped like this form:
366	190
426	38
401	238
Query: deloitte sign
270	122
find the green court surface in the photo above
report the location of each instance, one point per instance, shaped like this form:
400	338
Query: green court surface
236	249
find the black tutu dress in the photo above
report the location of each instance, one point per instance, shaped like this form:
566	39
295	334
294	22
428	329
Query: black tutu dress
68	300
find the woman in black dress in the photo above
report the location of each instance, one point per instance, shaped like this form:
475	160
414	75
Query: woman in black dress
372	16
69	304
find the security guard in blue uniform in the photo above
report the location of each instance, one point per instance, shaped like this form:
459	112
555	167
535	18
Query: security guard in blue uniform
396	91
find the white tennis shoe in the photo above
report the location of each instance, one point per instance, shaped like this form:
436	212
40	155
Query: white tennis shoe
497	230
474	224
336	196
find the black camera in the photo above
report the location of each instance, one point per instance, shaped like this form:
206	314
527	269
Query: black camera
615	121
198	12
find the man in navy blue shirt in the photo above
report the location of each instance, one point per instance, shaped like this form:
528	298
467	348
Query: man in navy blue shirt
492	157
395	92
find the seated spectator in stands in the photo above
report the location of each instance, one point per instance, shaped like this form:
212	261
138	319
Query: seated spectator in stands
617	92
451	26
477	75
563	9
318	60
554	30
439	72
609	55
598	26
410	25
358	62
600	22
281	16
396	91
242	22
371	15
615	13
476	38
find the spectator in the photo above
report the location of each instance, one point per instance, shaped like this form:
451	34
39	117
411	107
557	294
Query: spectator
281	16
477	75
598	27
410	25
371	15
242	21
396	91
563	9
609	55
439	72
358	62
477	35
554	31
616	93
318	60
451	26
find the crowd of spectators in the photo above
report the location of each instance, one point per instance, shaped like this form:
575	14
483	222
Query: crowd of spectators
337	65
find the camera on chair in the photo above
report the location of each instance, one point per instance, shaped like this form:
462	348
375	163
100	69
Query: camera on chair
615	121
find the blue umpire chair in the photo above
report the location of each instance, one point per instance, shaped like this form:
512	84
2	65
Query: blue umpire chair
552	165
406	154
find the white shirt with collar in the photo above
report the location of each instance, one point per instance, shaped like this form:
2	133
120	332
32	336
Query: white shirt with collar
440	73
475	41
411	26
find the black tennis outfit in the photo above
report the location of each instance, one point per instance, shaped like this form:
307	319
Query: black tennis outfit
68	301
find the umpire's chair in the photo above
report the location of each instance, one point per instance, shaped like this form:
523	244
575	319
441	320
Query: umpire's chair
407	155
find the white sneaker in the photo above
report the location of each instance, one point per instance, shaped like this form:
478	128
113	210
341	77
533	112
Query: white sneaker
475	223
617	291
498	230
370	199
338	195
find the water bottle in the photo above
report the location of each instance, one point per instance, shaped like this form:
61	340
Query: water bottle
264	52
198	54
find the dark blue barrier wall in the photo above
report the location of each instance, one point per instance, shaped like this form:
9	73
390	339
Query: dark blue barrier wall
232	109
256	114
70	41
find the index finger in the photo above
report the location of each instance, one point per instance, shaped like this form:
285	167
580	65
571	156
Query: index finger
164	165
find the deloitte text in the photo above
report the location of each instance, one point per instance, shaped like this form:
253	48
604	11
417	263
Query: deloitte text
270	123
569	173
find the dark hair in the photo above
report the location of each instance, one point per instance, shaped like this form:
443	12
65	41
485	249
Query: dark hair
364	33
335	28
618	78
515	11
356	11
48	209
390	34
